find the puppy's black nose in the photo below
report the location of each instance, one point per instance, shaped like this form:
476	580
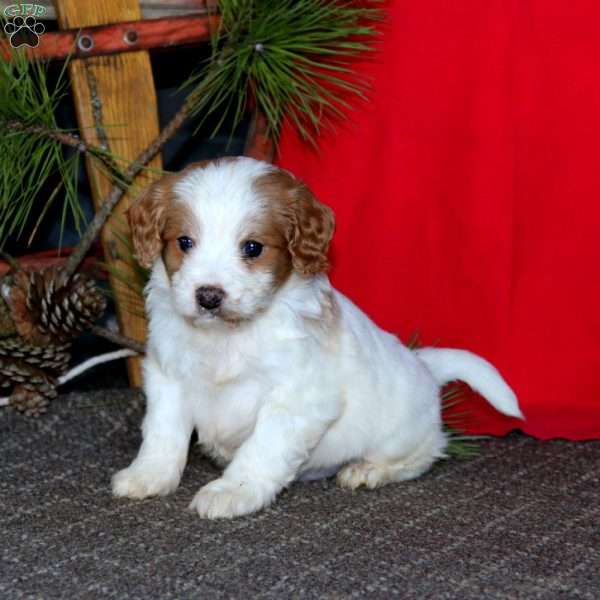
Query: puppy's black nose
210	296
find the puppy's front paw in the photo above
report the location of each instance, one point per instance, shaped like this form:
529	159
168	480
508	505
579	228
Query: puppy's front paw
224	499
143	480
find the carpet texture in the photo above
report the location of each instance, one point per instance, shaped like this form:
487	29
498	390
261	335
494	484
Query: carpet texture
519	521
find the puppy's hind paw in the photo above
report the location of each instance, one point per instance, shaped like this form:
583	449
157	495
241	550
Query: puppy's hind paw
225	499
137	481
361	473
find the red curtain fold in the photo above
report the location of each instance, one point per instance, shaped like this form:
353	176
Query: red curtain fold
467	196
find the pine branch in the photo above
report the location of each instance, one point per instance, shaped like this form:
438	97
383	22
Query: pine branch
119	339
117	192
460	445
67	139
27	162
294	57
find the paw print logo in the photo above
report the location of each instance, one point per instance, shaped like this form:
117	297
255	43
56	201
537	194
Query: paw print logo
24	31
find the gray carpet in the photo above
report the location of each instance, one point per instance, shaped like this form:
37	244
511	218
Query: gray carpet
519	521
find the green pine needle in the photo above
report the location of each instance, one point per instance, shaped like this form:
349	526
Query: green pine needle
133	283
460	445
26	160
293	57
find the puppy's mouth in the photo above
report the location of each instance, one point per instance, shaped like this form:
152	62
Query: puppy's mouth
220	314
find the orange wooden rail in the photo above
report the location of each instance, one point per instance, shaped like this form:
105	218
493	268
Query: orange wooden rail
120	37
53	258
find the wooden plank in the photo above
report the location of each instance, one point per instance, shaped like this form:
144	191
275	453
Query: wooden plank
151	9
258	144
120	37
115	102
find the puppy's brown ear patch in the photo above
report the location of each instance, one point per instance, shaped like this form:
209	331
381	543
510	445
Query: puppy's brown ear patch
146	220
313	227
307	224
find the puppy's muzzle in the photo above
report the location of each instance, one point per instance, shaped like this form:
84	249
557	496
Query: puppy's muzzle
210	297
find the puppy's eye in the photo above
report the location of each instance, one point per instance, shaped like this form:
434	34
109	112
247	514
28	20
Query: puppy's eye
252	249
185	243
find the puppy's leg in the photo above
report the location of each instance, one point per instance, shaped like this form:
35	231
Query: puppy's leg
264	464
166	429
382	468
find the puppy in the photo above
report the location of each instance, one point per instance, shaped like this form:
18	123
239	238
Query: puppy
280	374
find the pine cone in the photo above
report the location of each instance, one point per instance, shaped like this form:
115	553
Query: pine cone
48	307
33	400
17	358
33	372
7	324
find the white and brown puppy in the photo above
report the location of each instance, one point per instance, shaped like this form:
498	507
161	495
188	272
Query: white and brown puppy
281	375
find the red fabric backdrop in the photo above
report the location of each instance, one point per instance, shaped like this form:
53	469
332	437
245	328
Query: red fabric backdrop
467	195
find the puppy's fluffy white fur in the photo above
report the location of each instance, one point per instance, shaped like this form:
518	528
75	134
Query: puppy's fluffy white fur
287	378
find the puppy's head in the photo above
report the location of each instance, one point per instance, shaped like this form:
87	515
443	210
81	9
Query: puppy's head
230	232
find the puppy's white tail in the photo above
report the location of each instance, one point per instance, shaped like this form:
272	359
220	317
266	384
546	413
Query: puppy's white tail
448	364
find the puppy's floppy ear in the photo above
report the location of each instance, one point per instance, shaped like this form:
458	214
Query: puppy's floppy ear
311	228
306	224
146	220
